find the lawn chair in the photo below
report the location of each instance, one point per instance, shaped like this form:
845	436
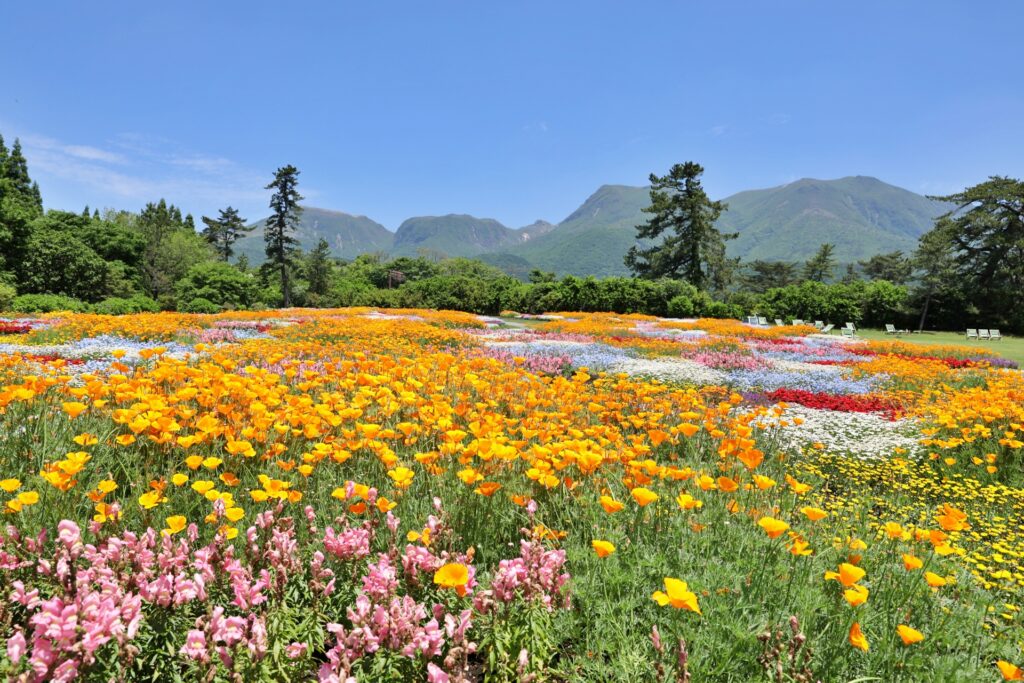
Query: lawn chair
891	329
847	331
984	335
972	334
827	329
851	328
994	335
762	321
778	321
798	321
819	324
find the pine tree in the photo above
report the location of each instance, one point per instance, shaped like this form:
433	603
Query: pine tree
279	228
222	232
693	248
16	170
3	156
318	268
820	266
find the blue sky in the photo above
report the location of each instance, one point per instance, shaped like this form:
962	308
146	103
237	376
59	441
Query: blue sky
511	110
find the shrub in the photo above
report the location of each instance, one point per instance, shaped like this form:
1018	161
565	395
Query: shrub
720	309
120	306
7	296
200	305
681	306
217	282
46	303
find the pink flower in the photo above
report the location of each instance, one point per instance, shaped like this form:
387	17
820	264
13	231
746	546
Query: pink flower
195	646
435	674
16	646
296	650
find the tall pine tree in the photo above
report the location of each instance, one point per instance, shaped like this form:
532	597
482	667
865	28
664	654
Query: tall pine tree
692	249
820	266
280	227
222	232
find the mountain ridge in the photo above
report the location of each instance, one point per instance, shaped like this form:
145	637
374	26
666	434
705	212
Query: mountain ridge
861	215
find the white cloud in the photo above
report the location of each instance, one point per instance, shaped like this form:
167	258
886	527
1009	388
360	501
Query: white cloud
132	169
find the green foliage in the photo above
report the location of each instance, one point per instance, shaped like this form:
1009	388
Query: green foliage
200	305
58	263
875	303
46	303
760	276
222	232
681	306
139	303
7	296
318	269
683	215
217	282
985	237
821	266
279	229
894	267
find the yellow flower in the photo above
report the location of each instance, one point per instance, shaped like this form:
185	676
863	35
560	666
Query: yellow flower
10	485
773	527
848	574
610	505
934	580
453	575
74	408
814	514
28	497
603	548
688	502
175	523
179	479
856	595
402	476
150	499
643	496
107	486
911	563
908	635
857	638
234	513
677	594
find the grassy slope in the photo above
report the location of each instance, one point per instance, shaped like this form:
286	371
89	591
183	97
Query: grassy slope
1010	347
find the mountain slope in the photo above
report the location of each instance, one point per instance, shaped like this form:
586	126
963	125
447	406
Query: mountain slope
347	235
862	216
461	235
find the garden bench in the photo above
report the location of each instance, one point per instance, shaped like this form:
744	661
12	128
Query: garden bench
984	334
994	335
972	333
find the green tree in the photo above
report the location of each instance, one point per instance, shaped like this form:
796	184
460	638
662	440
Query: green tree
765	275
318	268
280	227
819	267
218	282
986	231
222	232
538	276
157	223
681	212
56	262
936	268
893	266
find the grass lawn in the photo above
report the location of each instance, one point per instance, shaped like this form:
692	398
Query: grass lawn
1008	347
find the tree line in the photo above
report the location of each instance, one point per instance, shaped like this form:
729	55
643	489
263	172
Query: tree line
966	271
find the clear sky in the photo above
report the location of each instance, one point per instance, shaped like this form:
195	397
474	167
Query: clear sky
514	109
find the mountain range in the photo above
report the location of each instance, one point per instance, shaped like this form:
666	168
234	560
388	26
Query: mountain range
860	215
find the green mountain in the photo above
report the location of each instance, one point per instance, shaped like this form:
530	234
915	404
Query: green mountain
594	239
460	235
862	216
348	235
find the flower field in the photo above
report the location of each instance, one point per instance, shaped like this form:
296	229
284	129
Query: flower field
364	495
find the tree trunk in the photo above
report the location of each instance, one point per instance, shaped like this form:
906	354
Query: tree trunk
924	312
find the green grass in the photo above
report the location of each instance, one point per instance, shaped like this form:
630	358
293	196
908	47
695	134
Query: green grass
1008	347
